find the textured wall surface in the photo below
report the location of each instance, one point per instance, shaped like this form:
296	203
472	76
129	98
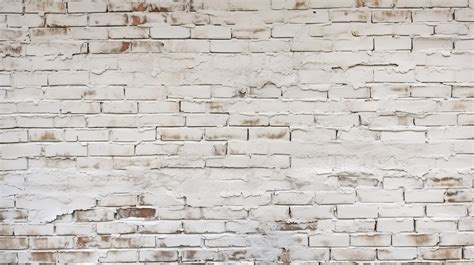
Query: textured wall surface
253	131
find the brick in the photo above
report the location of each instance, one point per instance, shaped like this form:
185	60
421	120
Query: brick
87	6
328	240
440	253
393	16
49	6
136	213
211	32
397	253
269	133
74	229
94	215
109	19
310	213
353	211
157	255
51	243
445	210
184	134
376	195
401	43
165	31
350	254
371	240
12	243
395	225
60	20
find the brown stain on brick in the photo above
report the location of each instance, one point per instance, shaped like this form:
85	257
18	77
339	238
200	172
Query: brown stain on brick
124	46
447	181
421	239
137	20
89	93
136	212
239	254
157	8
48	136
362	3
277	135
459	106
49	31
216	107
190	254
92	242
81	242
452	196
160	254
43	256
174	136
299	4
218	151
139	7
250	122
284	257
445	253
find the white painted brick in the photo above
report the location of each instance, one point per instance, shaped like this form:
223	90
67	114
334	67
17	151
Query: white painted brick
378	195
329	240
109	19
397	253
102	149
228	46
128	33
335	197
371	240
87	6
356	211
385	43
348	254
236	131
60	20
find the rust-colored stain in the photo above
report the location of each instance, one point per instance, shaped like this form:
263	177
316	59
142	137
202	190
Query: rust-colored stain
140	7
136	212
137	20
48	136
124	46
81	242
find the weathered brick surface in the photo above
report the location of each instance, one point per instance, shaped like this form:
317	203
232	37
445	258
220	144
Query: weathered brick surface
246	131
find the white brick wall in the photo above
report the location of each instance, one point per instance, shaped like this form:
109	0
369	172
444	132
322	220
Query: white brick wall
245	131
